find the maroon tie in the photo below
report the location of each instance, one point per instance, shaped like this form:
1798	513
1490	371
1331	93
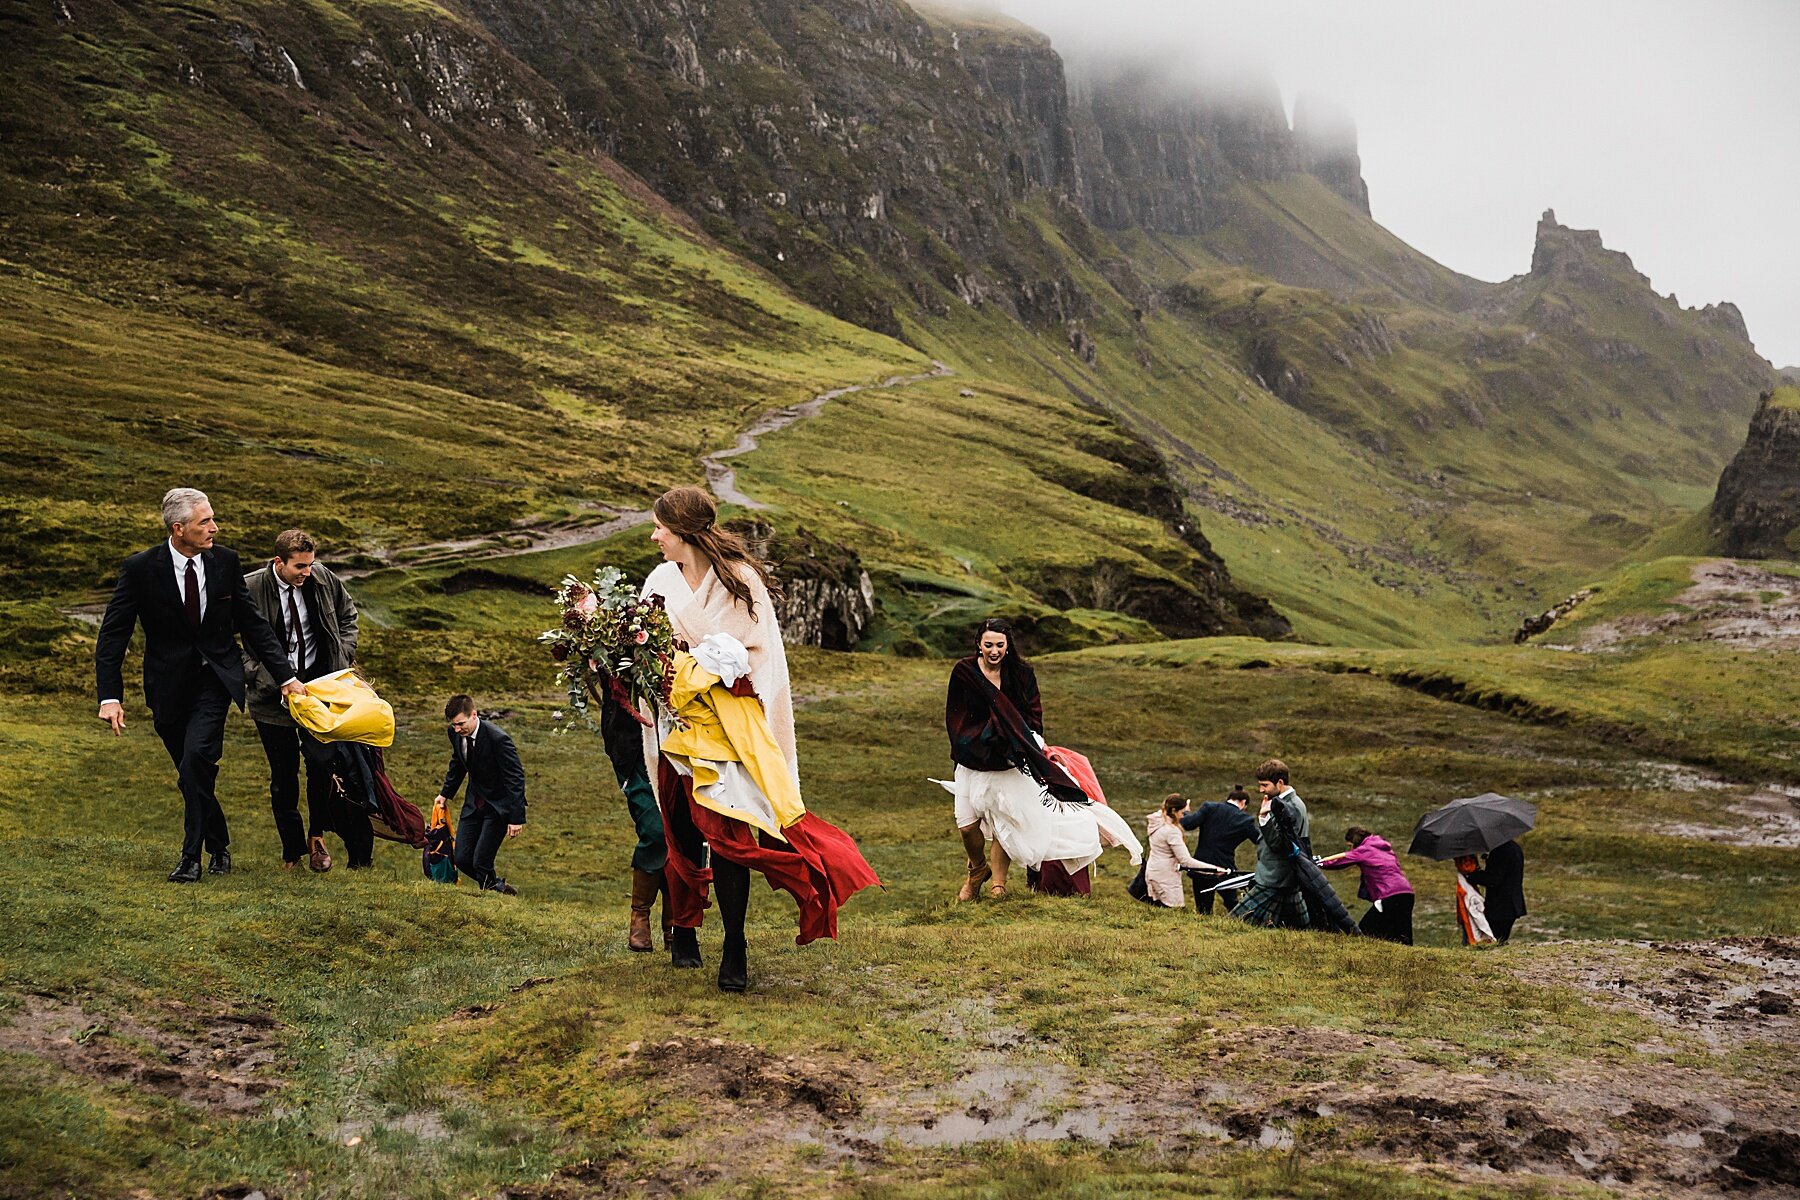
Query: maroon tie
193	595
299	632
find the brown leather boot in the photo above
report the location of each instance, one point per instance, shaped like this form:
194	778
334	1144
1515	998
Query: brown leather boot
976	848
643	895
999	862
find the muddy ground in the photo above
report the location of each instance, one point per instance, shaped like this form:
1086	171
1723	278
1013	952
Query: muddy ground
1732	602
222	1060
1653	1123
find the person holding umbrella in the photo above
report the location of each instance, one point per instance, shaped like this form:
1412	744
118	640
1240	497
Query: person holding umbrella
1487	824
1503	877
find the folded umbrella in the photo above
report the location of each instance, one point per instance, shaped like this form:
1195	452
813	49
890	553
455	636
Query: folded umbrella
1472	825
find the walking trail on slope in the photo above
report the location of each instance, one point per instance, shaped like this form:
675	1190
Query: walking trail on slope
720	478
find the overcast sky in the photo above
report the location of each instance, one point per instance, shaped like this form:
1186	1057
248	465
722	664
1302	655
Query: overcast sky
1672	128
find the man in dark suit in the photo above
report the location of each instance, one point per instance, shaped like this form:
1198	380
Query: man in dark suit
495	807
189	595
1503	877
1223	826
312	613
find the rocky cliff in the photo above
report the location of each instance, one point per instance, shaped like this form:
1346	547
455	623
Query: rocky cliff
1756	513
826	599
828	136
1156	151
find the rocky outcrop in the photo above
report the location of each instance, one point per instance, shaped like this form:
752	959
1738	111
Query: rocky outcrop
1325	142
1756	512
1530	627
1193	594
1578	255
827	598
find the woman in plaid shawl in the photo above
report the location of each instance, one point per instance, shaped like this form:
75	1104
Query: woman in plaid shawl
1006	786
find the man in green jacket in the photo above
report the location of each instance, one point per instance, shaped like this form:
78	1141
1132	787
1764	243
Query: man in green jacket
1274	897
315	618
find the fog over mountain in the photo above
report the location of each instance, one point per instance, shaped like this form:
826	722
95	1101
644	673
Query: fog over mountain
1670	127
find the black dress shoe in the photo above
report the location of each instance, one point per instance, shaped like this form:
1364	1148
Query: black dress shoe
734	972
684	948
220	864
503	887
187	872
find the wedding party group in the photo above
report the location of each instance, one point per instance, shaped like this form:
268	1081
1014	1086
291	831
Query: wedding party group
296	621
685	679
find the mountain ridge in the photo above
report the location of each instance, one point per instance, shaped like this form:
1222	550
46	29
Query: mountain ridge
928	176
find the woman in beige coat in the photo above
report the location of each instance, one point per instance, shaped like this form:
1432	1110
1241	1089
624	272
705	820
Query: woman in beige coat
1168	855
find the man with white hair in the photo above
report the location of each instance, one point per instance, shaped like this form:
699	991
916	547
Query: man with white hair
190	597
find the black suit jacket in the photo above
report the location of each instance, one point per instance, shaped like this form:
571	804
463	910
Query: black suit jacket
1223	828
1503	875
494	772
146	593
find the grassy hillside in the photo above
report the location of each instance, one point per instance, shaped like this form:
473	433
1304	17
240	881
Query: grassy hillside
470	1043
357	266
416	300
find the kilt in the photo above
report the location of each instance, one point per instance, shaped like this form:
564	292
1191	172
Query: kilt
1273	907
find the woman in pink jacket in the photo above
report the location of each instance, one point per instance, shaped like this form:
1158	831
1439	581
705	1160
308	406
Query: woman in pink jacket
1168	855
1384	885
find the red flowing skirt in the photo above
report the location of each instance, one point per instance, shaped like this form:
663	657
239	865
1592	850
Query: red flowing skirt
819	865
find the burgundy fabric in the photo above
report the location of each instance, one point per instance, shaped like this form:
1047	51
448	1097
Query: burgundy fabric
190	597
819	866
400	819
988	733
1053	879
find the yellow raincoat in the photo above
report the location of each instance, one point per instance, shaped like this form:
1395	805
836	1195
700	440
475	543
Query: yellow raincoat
739	771
342	707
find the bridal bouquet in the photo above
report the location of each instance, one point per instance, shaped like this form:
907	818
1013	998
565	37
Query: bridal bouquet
611	639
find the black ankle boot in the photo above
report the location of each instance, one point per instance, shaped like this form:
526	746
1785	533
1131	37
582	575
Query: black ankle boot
684	948
734	972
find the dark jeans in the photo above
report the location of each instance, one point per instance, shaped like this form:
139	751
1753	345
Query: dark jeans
284	746
1393	923
193	732
479	833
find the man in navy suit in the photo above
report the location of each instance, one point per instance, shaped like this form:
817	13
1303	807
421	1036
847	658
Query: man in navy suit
484	754
190	597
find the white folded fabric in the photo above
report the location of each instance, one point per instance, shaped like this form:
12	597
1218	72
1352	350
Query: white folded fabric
723	655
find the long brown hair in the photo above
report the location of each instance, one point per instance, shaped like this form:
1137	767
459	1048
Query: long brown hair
690	514
1173	804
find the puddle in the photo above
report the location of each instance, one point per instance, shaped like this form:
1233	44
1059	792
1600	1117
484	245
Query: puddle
1006	1102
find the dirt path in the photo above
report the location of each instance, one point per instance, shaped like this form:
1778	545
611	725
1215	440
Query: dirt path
1733	602
722	479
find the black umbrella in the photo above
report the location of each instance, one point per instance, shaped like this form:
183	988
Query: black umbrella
1472	825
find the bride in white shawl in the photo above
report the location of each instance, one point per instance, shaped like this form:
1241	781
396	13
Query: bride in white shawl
711	585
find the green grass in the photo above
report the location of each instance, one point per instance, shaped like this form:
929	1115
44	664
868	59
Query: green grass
366	973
